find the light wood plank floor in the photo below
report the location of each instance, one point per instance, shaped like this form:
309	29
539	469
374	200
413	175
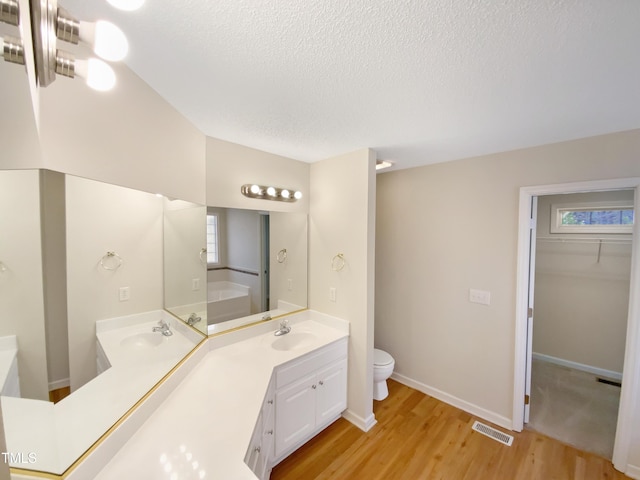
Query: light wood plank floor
56	395
419	437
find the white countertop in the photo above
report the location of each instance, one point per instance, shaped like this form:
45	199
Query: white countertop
59	433
203	429
170	350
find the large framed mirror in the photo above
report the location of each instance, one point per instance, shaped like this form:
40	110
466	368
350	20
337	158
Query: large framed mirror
83	332
257	265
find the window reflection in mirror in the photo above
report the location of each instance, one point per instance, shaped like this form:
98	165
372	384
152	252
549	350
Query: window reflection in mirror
251	277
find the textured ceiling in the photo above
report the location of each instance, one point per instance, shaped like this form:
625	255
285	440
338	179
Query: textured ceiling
418	81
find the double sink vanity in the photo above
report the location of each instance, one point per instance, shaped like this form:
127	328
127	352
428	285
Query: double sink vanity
249	402
238	405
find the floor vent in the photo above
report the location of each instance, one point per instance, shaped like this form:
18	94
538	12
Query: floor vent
493	433
609	382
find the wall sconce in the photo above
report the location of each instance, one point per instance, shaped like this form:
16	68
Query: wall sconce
51	23
270	193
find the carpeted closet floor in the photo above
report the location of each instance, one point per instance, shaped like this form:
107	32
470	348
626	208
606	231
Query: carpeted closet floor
573	407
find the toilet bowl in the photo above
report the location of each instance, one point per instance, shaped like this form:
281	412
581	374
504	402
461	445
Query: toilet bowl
383	364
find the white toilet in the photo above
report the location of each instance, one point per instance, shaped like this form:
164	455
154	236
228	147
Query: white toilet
383	364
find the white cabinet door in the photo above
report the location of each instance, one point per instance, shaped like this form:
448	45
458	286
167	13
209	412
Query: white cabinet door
295	413
331	396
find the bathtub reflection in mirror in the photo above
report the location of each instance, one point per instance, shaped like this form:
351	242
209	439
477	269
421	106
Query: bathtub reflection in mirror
257	266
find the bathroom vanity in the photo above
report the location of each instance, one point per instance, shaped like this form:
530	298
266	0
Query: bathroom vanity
248	403
304	396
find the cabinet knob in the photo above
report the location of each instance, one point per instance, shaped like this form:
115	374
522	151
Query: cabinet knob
257	449
270	402
321	382
269	432
313	386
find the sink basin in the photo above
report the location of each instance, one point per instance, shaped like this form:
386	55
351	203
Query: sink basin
293	341
142	340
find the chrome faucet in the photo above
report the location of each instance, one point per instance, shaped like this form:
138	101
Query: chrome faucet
163	327
193	318
284	328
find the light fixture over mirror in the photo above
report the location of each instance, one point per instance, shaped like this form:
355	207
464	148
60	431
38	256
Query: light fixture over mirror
270	193
51	23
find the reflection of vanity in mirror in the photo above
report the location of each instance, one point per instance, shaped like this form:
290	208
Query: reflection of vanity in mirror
257	266
81	297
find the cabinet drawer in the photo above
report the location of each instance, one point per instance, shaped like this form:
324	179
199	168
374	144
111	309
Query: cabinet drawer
301	367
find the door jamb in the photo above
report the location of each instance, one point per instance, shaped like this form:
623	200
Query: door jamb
630	393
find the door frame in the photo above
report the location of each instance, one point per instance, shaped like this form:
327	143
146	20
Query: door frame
630	392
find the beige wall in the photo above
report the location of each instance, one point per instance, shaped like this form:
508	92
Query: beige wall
184	235
102	218
129	136
21	296
342	220
581	301
241	238
289	231
446	228
229	166
18	132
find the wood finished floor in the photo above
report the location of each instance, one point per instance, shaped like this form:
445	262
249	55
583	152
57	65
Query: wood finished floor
56	395
419	437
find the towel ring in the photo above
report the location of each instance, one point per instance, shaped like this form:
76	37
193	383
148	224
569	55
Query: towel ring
282	255
203	256
111	261
337	263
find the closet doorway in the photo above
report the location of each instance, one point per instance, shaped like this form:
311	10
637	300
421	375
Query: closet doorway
525	286
581	302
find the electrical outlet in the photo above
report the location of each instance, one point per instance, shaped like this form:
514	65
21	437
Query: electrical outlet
125	294
480	296
289	284
195	284
332	294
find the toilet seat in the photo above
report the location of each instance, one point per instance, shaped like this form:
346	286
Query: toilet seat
381	358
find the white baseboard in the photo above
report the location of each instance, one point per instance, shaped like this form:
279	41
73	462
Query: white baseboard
363	424
483	413
633	472
65	382
600	372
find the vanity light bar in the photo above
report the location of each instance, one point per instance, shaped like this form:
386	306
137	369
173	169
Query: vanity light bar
252	190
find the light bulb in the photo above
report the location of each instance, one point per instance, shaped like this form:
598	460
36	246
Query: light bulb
127	5
271	192
297	195
107	40
285	193
97	74
255	189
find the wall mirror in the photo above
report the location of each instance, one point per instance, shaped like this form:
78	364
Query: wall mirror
185	261
81	291
257	265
